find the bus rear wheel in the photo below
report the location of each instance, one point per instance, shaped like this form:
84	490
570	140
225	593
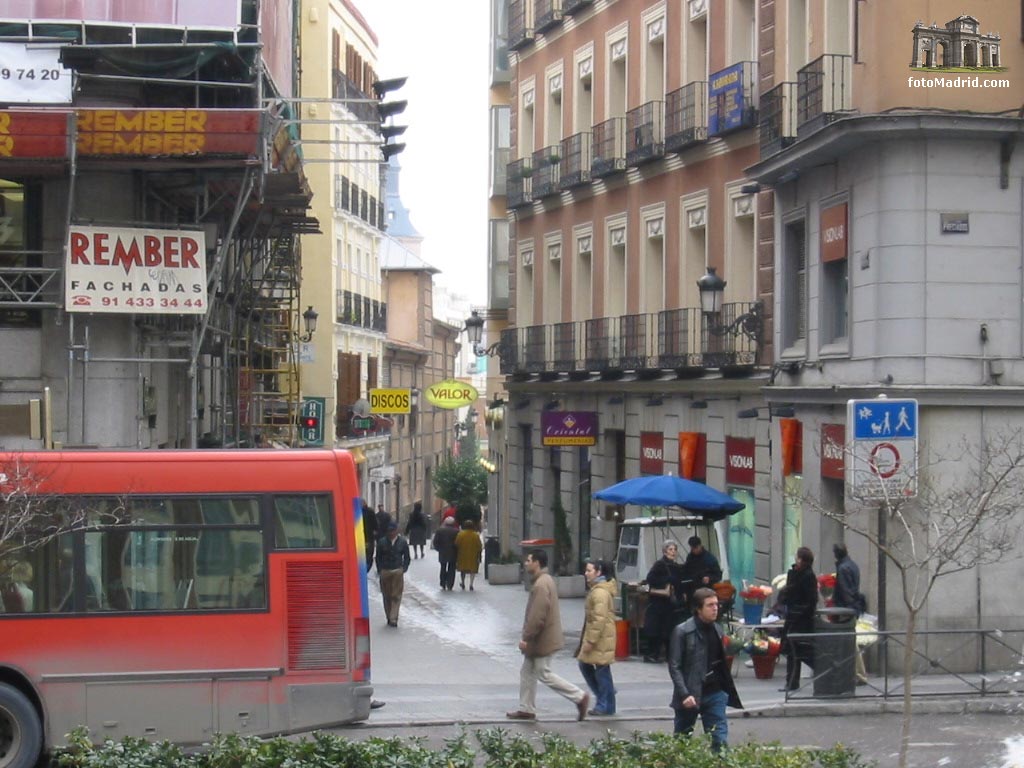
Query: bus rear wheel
21	732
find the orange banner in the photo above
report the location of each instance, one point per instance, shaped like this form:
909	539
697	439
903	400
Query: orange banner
792	447
175	132
34	134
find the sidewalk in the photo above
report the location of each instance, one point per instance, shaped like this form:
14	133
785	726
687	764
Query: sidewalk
454	659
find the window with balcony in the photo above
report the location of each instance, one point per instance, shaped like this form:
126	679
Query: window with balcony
553	280
617	90
740	247
796	37
583	96
693	245
654	58
653	298
501	142
501	72
520	23
615	286
743	30
794	288
583	276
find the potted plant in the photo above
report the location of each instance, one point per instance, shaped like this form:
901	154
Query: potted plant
507	570
764	652
554	158
569	584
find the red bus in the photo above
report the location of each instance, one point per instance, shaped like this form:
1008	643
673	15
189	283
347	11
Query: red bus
197	592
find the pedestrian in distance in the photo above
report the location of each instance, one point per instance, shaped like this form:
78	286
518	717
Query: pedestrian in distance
596	651
444	543
700	569
540	639
383	520
416	529
392	563
701	682
800	599
664	585
468	550
847	594
370	533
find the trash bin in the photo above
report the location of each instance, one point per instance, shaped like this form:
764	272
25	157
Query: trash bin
492	553
835	649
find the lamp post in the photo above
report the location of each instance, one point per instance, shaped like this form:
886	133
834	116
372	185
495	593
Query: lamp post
309	318
475	332
712	291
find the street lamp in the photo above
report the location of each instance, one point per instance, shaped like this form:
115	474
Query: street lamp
475	333
309	324
712	290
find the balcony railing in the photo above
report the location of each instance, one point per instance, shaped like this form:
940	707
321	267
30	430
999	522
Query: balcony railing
343	88
546	165
546	14
518	184
823	91
609	147
520	32
673	339
575	6
686	116
361	311
645	131
778	119
732	98
577	155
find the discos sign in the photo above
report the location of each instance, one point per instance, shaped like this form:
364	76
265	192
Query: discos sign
137	271
451	394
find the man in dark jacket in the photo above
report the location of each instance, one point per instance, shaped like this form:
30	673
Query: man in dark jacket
800	598
444	543
700	569
848	595
369	533
701	683
392	563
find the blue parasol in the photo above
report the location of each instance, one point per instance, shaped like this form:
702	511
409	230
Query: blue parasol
671	491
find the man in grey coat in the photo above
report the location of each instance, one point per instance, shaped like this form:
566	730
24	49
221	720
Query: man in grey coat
701	683
541	637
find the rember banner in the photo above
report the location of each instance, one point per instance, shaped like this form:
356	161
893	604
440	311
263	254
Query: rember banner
136	271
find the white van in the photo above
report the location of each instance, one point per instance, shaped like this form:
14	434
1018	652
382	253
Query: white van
641	539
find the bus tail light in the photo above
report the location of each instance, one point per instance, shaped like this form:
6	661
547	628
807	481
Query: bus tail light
362	643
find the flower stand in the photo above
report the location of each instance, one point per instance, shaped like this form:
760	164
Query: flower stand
752	613
764	666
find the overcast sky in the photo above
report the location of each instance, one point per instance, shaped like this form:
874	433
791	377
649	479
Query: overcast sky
443	49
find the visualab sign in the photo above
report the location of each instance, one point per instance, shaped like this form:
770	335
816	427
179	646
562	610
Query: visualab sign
883	461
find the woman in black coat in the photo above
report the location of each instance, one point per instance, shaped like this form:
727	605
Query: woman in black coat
800	599
416	529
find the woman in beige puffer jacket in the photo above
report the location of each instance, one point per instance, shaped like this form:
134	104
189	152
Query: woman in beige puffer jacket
597	641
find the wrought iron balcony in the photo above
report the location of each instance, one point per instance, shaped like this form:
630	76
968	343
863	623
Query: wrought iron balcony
520	30
361	311
546	165
575	6
645	129
577	155
686	116
609	148
670	340
343	88
546	14
732	98
823	91
778	119
519	183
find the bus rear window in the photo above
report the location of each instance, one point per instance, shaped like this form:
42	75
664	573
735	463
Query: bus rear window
303	522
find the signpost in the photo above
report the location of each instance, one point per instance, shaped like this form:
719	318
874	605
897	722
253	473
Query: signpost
883	461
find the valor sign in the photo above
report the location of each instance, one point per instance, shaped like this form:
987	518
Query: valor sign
451	394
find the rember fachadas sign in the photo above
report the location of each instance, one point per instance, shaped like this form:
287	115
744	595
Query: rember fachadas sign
139	271
451	394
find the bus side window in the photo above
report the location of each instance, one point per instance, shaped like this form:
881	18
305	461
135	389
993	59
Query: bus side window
303	522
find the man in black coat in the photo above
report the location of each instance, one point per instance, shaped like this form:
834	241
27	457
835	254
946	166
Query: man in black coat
848	595
369	532
444	543
700	569
800	599
701	683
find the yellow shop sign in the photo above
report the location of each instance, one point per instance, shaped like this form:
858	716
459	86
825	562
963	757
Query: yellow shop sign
451	394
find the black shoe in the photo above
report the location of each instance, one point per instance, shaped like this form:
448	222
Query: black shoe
652	660
376	704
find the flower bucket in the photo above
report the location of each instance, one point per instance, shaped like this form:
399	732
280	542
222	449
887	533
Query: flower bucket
764	666
752	613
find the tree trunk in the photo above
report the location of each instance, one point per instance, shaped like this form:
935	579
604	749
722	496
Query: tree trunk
908	674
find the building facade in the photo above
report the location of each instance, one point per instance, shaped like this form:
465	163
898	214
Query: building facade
631	126
152	202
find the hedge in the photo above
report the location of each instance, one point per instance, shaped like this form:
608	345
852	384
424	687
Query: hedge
499	748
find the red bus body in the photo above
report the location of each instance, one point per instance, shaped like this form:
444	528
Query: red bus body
187	675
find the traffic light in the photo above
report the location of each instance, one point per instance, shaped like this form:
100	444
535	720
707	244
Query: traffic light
311	428
309	422
387	110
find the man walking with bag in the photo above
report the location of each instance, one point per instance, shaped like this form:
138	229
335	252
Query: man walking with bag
541	637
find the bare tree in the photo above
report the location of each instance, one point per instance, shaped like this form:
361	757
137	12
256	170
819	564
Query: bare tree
952	526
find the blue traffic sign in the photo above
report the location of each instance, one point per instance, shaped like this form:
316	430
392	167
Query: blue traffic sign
884	419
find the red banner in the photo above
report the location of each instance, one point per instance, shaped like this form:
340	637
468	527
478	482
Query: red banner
652	453
693	456
739	461
33	134
792	432
833	442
